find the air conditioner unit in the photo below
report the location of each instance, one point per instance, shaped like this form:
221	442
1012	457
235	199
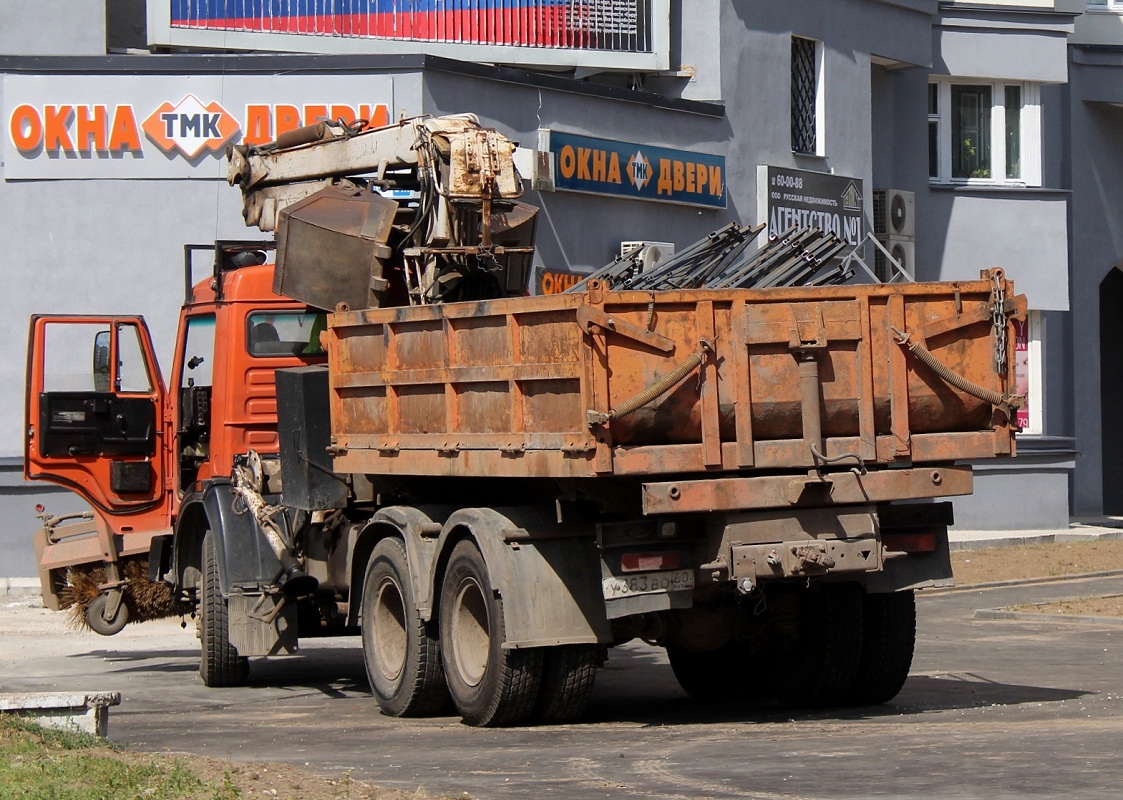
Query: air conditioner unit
894	213
903	251
651	253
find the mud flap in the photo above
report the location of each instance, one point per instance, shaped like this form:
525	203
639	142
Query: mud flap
548	580
262	625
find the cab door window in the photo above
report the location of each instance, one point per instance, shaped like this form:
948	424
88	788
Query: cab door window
88	375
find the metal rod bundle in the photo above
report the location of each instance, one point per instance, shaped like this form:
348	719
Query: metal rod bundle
722	260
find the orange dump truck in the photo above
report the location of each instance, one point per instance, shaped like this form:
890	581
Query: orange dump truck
493	492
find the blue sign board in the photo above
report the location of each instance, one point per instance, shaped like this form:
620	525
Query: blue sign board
641	172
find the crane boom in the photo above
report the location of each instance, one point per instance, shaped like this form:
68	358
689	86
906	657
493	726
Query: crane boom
421	211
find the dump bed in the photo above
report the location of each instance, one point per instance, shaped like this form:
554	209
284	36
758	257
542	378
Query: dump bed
616	383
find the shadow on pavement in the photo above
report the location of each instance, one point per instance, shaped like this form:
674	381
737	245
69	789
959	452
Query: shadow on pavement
921	694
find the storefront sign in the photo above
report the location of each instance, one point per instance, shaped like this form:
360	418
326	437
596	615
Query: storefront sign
554	282
164	127
642	172
794	197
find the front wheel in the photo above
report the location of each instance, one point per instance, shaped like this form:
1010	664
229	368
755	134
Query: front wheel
490	686
400	650
220	664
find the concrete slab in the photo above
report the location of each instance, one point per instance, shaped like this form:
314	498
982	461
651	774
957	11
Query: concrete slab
87	712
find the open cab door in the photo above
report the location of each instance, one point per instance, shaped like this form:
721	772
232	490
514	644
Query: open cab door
95	418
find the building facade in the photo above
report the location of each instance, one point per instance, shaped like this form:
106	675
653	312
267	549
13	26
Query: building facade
1096	107
112	151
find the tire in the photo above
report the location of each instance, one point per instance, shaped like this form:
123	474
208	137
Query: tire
706	677
888	641
568	675
490	686
400	650
820	666
220	665
95	616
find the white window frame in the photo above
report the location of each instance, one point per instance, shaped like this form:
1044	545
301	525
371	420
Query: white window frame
820	99
1030	133
1106	5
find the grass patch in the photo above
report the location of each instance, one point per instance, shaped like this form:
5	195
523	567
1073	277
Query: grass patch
45	764
39	763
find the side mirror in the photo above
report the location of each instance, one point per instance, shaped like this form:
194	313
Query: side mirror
101	361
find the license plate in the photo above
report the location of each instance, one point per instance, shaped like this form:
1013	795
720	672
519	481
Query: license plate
647	583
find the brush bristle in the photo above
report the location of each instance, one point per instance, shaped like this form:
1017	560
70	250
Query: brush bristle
146	599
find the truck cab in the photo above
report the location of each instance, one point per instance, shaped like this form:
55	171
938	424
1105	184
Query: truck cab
143	453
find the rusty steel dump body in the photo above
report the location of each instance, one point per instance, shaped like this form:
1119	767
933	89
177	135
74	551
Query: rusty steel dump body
764	381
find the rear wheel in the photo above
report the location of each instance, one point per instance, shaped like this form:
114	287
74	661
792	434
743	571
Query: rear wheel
220	664
400	650
490	686
568	675
818	664
706	676
888	640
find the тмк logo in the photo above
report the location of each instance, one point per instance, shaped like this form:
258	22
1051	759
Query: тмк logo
191	127
639	170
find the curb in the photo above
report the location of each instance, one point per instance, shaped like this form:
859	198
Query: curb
1030	616
18	587
980	540
1037	616
970	587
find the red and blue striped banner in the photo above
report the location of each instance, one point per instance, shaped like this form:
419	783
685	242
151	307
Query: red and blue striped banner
618	25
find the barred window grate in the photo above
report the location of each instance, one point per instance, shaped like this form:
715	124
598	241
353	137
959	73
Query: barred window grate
804	93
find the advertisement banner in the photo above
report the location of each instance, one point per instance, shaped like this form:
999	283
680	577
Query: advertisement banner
795	197
1021	372
618	25
160	126
640	172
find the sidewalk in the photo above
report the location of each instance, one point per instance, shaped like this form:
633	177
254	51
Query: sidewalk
1080	529
18	586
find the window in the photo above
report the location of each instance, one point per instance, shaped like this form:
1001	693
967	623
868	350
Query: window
984	133
1028	369
807	100
77	359
198	355
1105	5
286	333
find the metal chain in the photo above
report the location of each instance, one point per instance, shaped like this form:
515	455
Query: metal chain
998	318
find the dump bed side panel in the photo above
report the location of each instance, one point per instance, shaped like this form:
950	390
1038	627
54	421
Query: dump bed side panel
629	383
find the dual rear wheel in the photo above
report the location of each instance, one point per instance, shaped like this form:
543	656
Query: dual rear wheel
415	667
832	646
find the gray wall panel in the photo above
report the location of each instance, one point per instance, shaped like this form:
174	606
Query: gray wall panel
59	27
1025	233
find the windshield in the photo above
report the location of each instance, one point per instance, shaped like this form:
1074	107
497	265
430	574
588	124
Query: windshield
285	333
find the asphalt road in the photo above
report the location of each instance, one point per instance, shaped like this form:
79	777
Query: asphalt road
992	709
